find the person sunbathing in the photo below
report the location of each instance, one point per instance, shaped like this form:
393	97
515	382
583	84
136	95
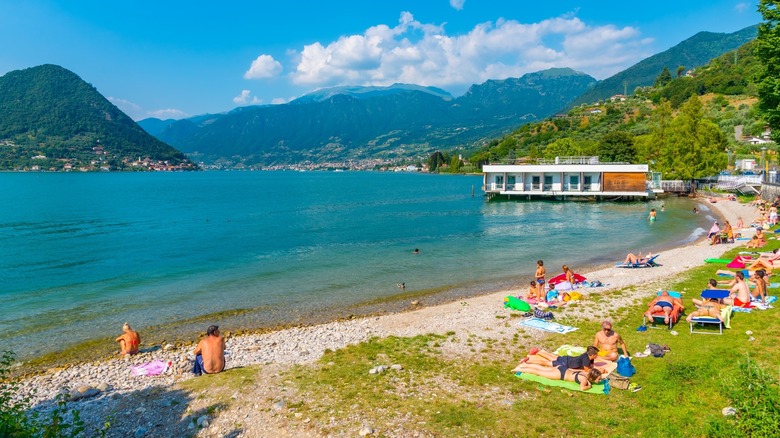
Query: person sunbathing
584	378
709	307
636	259
762	283
662	303
545	358
768	262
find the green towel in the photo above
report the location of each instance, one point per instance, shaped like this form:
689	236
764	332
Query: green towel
725	313
569	350
597	388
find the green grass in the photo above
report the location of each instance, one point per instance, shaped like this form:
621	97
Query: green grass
477	395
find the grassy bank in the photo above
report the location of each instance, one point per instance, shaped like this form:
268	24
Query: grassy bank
475	394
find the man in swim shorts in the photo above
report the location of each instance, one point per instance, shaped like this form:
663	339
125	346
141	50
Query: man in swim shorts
607	342
740	292
210	353
583	361
129	341
760	280
662	303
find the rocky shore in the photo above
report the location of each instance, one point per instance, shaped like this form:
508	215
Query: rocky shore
107	391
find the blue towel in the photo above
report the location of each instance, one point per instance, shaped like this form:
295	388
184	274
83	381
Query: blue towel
547	326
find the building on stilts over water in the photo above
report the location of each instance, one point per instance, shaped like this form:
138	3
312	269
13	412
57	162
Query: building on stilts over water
571	178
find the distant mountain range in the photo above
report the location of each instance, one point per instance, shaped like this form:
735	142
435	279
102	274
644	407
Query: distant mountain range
404	120
50	119
696	51
374	122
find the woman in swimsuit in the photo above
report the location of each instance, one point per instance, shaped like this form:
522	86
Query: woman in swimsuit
584	378
709	307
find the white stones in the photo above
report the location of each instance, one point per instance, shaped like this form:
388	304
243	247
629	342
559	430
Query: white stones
203	421
727	411
366	430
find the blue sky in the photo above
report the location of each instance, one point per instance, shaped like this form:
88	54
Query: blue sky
173	59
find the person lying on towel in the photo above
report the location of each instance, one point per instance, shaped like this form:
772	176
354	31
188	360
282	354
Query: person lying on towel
584	378
663	303
709	307
545	358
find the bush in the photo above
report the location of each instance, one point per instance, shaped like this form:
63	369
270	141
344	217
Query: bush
16	419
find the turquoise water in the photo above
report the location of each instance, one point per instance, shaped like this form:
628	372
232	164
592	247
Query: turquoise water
82	253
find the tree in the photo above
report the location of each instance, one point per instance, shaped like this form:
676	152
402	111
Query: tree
455	164
767	50
617	146
649	147
435	161
696	146
664	78
680	70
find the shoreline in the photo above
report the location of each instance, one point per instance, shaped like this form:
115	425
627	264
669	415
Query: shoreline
304	344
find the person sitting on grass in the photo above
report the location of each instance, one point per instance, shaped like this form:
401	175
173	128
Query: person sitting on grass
584	378
761	281
607	341
545	358
662	303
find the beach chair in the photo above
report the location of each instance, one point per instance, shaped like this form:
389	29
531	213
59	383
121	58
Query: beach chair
658	317
648	263
699	324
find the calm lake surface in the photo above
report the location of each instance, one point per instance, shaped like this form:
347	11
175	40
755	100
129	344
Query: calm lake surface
82	253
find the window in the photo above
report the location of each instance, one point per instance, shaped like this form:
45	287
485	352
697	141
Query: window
547	182
574	182
510	182
587	181
536	183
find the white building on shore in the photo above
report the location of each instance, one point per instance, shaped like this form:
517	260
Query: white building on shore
584	178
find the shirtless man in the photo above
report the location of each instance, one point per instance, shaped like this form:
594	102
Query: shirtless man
129	341
740	292
607	342
540	272
662	303
760	280
210	353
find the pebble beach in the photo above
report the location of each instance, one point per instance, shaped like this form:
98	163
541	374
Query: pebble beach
108	385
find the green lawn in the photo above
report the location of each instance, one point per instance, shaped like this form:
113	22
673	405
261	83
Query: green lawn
683	393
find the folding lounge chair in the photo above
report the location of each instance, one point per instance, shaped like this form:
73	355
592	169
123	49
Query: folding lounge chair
658	317
649	263
699	322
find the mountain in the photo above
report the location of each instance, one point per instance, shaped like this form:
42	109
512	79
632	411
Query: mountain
50	119
694	52
154	126
376	122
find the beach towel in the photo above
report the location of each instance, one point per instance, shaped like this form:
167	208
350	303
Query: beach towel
774	285
153	368
547	326
597	388
569	350
736	264
742	309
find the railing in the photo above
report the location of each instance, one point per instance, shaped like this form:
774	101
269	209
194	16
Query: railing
676	186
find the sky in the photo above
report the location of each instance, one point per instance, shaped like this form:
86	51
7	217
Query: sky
176	59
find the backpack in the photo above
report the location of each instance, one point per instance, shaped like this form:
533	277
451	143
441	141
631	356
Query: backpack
624	367
618	382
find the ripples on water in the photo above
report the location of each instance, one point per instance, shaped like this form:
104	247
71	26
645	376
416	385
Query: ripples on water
95	250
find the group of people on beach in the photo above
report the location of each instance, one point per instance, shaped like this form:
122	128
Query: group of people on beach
537	290
579	369
209	353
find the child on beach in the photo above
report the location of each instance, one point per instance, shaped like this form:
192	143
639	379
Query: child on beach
540	273
532	291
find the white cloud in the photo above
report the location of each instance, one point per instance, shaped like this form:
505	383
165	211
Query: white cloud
168	113
422	53
741	7
265	66
135	112
281	100
244	98
457	4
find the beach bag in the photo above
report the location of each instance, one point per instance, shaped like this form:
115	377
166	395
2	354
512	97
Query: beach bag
575	296
618	382
624	367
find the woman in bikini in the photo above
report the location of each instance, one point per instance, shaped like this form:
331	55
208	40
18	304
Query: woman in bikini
709	307
584	378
